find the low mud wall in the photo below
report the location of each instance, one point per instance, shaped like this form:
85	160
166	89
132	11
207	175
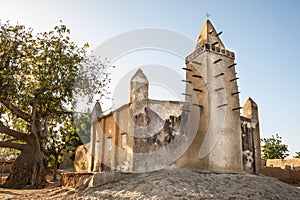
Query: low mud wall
288	176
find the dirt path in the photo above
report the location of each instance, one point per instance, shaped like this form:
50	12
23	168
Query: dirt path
52	191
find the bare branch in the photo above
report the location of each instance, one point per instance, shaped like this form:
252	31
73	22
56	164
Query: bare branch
9	144
15	110
13	133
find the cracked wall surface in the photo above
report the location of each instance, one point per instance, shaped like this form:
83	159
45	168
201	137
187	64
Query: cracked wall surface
146	134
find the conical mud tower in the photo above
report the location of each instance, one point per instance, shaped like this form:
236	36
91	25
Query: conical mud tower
211	77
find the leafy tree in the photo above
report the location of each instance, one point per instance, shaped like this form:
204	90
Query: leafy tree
39	77
73	131
83	130
297	155
273	148
55	146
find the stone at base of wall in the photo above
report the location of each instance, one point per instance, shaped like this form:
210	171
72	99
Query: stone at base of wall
81	180
71	179
100	178
82	158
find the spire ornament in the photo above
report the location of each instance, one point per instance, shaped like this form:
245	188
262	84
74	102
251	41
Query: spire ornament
207	15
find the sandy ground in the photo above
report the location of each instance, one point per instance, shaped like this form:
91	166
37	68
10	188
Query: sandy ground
187	184
53	190
171	184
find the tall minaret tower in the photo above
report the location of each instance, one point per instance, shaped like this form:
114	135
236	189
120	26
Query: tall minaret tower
211	77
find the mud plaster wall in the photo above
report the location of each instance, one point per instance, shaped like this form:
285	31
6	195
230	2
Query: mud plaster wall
288	176
217	144
211	71
112	127
159	147
163	124
284	163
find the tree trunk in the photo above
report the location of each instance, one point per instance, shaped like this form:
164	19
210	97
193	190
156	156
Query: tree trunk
54	177
29	170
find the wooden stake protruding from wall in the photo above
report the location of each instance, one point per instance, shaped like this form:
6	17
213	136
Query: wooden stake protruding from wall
220	106
234	79
221	74
186	94
197	90
219	33
216	61
187	69
218	89
196	76
195	104
234	64
215	43
187	81
237	108
234	93
197	63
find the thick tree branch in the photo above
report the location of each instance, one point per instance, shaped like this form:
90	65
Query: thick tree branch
43	134
13	133
33	122
9	144
15	110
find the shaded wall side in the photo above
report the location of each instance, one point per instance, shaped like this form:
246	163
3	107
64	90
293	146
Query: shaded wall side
248	146
250	111
217	145
225	147
196	75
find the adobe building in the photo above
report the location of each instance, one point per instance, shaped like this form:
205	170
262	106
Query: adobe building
206	131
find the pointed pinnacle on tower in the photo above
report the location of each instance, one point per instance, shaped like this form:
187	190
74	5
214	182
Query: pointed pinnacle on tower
139	87
97	112
209	35
139	76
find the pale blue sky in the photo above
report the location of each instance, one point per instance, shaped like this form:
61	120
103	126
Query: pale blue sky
263	34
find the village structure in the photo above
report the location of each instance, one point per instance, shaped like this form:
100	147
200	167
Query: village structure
206	131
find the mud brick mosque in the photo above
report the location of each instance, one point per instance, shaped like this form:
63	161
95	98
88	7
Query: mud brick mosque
206	131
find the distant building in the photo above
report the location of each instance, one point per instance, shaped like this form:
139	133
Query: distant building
148	134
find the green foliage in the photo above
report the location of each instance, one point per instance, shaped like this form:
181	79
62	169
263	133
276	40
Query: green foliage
42	76
83	126
9	153
66	135
273	148
297	155
38	70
